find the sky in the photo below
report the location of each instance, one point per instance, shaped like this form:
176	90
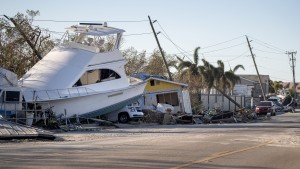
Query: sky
218	27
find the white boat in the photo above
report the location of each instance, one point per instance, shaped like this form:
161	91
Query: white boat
84	75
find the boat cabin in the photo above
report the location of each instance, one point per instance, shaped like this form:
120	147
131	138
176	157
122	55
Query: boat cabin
93	37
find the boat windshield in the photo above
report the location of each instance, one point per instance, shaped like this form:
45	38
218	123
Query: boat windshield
102	43
92	38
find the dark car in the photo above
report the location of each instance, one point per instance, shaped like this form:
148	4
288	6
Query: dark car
265	107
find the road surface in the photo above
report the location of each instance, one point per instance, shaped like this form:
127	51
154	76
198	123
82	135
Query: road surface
265	144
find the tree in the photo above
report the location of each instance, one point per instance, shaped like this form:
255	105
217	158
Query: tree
275	86
218	78
155	64
188	72
16	54
187	68
226	80
135	61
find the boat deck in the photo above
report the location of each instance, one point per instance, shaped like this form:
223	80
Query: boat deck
10	130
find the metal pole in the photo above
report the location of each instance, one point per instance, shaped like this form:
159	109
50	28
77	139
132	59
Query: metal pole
293	69
262	90
162	54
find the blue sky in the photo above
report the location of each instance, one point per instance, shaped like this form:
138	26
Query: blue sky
217	26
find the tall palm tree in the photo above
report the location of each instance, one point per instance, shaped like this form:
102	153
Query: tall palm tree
226	80
208	73
189	73
189	68
218	78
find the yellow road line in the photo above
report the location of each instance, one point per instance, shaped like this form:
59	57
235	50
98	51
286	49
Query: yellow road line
219	155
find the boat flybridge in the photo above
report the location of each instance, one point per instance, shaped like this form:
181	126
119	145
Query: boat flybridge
83	75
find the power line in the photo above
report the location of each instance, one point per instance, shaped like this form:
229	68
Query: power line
134	34
268	51
222	42
238	56
49	20
177	47
268	45
189	52
225	48
273	69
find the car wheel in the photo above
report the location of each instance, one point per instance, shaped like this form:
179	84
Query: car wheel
123	118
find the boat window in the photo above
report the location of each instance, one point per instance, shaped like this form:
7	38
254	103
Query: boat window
101	43
96	76
12	96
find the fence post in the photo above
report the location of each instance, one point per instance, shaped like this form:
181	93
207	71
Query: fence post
66	116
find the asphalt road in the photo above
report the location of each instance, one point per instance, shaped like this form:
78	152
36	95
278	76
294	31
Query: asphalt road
266	144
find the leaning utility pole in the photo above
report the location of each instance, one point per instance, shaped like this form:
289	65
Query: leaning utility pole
293	60
262	90
25	37
162	53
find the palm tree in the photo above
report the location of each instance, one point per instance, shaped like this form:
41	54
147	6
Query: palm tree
218	78
189	68
208	73
227	79
189	73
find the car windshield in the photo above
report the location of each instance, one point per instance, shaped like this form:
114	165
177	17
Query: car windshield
264	104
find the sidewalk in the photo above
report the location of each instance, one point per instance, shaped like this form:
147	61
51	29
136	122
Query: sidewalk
10	130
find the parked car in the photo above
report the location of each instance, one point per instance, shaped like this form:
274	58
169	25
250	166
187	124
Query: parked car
277	102
126	114
265	107
278	105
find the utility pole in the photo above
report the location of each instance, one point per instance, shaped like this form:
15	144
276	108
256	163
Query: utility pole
25	37
293	60
162	54
262	90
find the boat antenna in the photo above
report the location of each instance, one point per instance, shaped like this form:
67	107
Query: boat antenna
91	23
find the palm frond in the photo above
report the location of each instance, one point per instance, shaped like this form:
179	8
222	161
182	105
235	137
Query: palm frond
238	67
196	56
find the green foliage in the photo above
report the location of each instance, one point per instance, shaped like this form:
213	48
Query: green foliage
275	86
135	61
291	92
15	54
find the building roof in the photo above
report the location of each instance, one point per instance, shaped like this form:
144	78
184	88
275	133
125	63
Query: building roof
147	77
167	81
290	85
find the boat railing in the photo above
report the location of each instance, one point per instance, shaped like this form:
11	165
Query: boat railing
24	112
44	95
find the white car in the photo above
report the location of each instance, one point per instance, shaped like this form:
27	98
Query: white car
125	114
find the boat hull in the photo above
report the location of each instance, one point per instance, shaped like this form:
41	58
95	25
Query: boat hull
97	104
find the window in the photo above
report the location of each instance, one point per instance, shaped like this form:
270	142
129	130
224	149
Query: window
12	96
168	98
152	83
96	76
